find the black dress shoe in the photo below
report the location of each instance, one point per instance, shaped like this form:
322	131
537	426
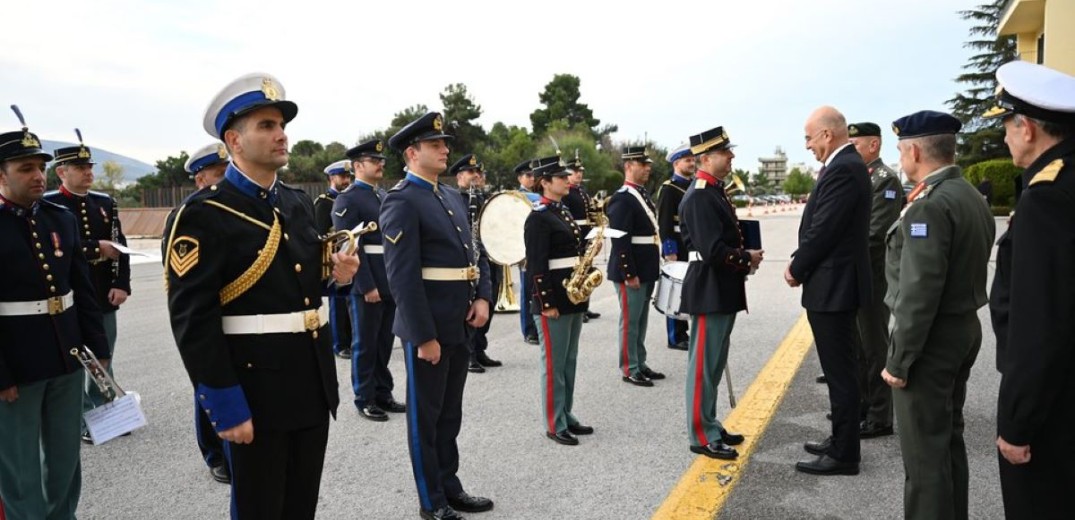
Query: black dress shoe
731	439
638	380
470	504
828	416
585	319
221	474
344	354
821	379
373	413
826	465
680	345
533	340
444	513
579	429
869	430
652	374
818	448
391	405
564	438
485	360
86	439
716	450
592	315
475	367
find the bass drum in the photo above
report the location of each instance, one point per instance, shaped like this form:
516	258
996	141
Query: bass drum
670	290
500	227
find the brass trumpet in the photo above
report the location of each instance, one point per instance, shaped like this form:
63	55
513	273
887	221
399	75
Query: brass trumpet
342	241
108	387
736	185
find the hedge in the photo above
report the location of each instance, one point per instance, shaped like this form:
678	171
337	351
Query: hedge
1002	173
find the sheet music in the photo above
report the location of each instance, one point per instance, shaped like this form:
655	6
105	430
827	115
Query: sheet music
116	418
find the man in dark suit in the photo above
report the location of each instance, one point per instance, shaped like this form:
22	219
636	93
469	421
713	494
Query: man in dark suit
441	285
832	264
1031	301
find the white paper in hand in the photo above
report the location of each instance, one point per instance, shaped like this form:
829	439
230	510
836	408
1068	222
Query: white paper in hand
128	251
609	232
116	418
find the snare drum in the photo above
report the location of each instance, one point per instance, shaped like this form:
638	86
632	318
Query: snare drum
670	289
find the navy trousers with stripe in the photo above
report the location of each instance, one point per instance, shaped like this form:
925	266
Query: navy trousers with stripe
434	416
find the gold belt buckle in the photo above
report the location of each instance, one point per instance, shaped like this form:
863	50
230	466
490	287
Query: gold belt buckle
55	305
311	319
471	273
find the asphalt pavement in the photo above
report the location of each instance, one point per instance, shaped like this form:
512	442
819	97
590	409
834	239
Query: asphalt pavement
625	470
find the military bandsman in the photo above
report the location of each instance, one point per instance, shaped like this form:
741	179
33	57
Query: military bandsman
525	173
713	288
886	203
467	171
634	263
1031	301
245	279
101	231
936	265
339	303
207	165
441	285
372	308
580	204
47	308
669	195
553	245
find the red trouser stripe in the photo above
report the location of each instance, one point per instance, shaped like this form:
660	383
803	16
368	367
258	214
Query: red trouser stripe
550	403
699	380
625	309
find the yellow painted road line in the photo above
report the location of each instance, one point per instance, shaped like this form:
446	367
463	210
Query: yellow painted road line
707	483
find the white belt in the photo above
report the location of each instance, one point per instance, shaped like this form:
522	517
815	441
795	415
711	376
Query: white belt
53	306
650	240
373	249
563	263
676	229
450	274
582	222
694	256
286	323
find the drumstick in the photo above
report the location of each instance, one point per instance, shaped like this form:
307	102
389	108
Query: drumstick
728	379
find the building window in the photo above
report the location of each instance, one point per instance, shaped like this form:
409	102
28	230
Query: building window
1041	49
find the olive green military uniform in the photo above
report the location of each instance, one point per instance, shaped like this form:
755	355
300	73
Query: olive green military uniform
936	270
888	199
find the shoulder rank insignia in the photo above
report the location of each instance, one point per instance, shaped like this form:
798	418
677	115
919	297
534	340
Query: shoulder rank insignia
184	255
341	213
394	239
699	184
1048	173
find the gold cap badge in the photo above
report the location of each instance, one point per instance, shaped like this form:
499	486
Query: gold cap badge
269	89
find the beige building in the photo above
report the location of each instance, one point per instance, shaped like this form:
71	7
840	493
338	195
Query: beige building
775	167
1043	31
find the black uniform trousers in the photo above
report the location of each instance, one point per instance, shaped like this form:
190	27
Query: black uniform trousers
340	321
434	416
277	476
480	340
211	446
526	320
836	336
371	349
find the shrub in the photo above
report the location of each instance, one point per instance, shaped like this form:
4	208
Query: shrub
1001	173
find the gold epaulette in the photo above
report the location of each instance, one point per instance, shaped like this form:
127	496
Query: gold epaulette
1048	173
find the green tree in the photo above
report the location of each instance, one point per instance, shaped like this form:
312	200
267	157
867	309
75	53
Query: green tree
1001	173
761	183
462	112
981	139
601	172
506	147
111	177
798	183
561	100
309	159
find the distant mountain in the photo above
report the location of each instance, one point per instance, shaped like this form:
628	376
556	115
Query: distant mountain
132	168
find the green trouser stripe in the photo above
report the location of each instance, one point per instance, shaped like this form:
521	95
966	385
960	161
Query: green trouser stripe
559	356
706	360
634	314
40	472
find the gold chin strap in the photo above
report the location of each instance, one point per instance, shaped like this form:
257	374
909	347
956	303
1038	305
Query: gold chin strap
256	270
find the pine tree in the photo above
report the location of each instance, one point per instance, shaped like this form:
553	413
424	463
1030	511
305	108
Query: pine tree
982	139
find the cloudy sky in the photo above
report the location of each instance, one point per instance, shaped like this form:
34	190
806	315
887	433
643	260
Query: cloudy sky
136	75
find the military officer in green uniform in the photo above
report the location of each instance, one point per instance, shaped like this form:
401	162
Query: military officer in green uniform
1031	302
936	266
888	199
553	245
713	289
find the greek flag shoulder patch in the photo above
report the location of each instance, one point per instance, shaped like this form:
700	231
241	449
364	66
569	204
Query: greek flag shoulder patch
890	194
919	230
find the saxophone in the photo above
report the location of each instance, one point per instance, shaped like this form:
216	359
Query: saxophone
585	277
